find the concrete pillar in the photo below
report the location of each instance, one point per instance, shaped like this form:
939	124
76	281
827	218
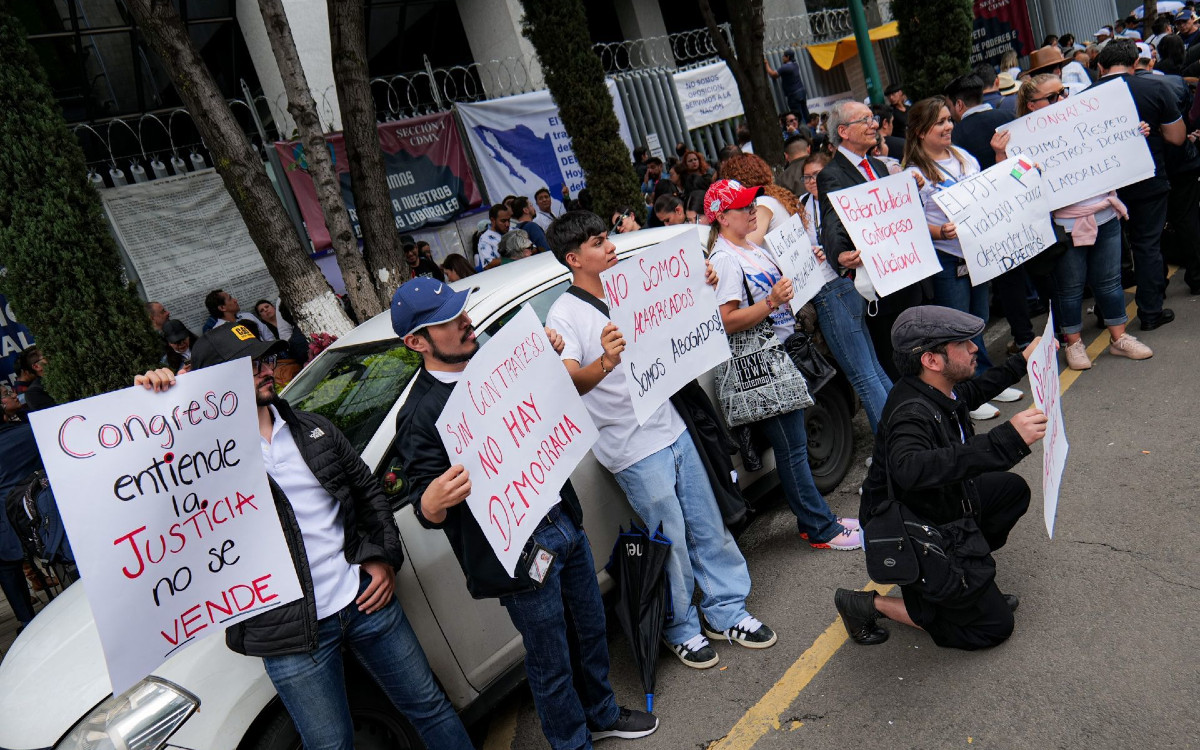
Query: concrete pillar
507	60
642	23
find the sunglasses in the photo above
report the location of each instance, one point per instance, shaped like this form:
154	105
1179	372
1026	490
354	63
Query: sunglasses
1053	96
268	360
620	220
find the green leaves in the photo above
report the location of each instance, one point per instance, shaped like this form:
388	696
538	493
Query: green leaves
935	43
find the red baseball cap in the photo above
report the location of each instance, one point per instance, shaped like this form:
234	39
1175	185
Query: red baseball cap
723	195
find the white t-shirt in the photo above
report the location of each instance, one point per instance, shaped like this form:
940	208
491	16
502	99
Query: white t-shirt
622	442
335	581
489	248
758	268
951	172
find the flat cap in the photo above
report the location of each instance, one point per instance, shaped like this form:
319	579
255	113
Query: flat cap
919	329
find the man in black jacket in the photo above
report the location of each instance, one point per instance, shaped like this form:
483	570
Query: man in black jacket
927	450
345	546
555	577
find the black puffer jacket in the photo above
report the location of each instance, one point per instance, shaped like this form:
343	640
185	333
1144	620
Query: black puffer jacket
366	516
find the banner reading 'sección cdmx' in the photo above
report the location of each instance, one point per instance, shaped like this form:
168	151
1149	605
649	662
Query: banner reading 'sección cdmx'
999	25
428	177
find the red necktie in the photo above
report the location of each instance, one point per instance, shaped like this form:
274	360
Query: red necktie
866	165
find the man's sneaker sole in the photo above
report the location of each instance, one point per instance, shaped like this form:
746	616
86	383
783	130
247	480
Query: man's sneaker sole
714	635
681	651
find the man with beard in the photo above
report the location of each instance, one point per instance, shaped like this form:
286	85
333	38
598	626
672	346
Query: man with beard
431	319
345	546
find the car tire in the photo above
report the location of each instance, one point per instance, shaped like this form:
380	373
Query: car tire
377	726
830	429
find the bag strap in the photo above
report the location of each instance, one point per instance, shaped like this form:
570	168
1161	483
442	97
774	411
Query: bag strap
589	298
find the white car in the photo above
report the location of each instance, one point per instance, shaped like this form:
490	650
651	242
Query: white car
54	688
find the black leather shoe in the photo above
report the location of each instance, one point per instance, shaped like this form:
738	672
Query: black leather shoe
1012	601
1149	324
858	612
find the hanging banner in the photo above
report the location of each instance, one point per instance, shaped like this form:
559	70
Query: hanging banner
521	146
1043	376
170	516
14	338
708	94
428	177
1086	145
185	238
999	25
1002	215
793	252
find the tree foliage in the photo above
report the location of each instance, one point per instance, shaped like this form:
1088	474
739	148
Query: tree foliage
558	31
934	45
64	272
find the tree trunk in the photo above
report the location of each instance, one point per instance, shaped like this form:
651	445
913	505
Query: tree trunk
301	283
1149	13
748	29
368	177
303	110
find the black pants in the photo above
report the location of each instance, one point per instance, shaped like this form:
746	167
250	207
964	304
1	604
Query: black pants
1011	290
1183	218
1144	228
880	324
987	620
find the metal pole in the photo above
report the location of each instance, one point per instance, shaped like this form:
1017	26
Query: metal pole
866	53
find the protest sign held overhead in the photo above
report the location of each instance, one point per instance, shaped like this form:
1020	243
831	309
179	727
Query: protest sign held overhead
1086	145
793	252
170	516
517	424
1043	377
669	318
1002	216
886	222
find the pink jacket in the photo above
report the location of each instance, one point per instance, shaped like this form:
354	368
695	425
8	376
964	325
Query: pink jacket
1084	231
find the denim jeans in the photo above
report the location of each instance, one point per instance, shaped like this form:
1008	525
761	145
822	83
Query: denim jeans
1100	266
954	291
840	312
671	487
313	686
1144	227
16	589
540	616
790	442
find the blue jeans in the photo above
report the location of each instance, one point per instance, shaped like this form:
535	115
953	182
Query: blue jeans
790	442
840	312
954	291
540	616
16	589
313	686
1100	266
671	487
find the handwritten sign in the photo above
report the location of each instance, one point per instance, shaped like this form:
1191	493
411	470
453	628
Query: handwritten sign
793	251
1003	217
169	513
1043	376
886	222
1086	145
515	421
708	94
669	318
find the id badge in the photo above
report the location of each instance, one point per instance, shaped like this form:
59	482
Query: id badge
540	559
961	271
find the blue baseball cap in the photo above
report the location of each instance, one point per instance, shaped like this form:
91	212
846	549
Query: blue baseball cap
425	302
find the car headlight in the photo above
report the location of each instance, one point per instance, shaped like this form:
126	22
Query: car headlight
141	718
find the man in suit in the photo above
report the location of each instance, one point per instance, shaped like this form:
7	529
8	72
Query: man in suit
853	130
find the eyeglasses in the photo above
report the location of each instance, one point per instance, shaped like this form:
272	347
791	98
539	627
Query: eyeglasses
268	360
1053	96
809	178
868	118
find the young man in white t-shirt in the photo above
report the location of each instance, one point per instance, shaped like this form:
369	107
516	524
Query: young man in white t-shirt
655	463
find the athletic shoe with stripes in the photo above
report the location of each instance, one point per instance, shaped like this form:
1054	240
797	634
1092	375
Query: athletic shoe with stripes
750	632
696	652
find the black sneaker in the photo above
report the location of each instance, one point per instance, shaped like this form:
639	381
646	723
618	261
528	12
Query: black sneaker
630	725
859	615
749	633
696	652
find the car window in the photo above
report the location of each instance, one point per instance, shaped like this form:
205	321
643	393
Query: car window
540	302
355	387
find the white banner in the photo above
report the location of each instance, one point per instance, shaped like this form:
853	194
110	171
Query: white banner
708	94
793	252
823	103
669	318
186	238
886	222
521	146
1043	377
167	506
1086	145
517	424
1002	215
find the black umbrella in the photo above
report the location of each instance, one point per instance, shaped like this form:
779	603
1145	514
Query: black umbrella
640	560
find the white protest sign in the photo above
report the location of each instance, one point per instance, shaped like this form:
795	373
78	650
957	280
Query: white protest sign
1043	376
1086	145
517	424
886	222
708	94
1002	215
669	318
167	506
793	251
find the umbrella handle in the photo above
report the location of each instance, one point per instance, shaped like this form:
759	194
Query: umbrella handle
649	703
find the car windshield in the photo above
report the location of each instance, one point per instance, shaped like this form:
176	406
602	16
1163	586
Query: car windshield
355	387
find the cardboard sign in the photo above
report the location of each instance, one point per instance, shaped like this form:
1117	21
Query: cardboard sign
669	318
1086	145
707	94
167	506
793	252
1002	215
886	222
1043	376
517	424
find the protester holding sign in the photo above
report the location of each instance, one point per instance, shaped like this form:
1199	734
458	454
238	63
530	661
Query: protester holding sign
555	572
345	546
753	289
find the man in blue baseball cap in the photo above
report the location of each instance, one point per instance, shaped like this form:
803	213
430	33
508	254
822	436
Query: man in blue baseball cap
432	320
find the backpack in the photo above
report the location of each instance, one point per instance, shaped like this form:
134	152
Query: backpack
33	513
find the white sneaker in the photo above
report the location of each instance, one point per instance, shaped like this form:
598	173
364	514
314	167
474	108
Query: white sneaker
849	539
1008	395
986	411
870	460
